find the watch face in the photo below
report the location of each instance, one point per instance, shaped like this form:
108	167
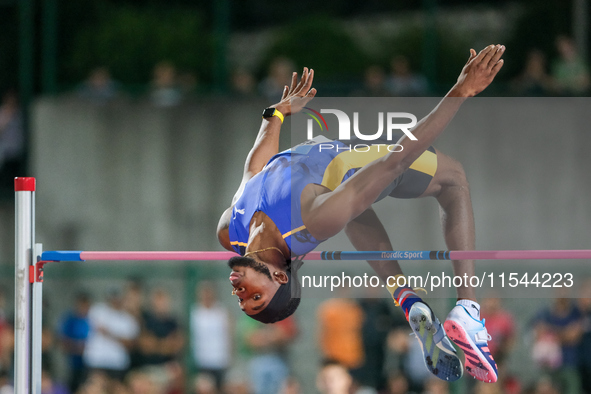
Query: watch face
268	112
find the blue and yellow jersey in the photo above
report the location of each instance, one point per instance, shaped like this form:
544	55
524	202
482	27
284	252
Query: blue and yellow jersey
276	190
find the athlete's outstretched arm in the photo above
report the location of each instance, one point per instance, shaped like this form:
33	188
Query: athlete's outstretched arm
266	145
326	214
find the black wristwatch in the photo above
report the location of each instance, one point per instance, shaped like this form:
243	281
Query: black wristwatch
270	112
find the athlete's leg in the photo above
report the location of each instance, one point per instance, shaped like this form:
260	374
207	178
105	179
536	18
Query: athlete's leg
325	213
450	187
366	232
463	324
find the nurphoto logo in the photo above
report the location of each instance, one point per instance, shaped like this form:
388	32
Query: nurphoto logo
393	123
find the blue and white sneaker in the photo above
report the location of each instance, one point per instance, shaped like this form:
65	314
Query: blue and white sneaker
471	336
439	353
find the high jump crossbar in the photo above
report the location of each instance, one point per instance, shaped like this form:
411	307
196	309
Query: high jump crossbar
29	261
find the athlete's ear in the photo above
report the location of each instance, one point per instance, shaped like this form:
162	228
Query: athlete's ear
280	277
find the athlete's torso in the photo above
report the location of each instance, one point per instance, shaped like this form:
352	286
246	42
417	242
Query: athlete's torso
276	191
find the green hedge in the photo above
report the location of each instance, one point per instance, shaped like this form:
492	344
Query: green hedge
130	41
321	43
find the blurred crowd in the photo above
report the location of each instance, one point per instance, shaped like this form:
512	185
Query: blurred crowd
568	75
131	342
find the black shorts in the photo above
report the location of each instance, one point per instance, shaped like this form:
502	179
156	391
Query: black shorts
413	182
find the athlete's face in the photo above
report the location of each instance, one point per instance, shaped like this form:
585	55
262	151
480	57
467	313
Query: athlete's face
253	285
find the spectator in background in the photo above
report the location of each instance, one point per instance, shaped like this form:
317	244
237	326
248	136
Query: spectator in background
112	332
237	385
398	384
280	73
403	82
5	386
205	383
97	382
334	378
6	337
483	388
340	321
188	83
374	83
160	340
559	326
501	326
545	386
266	346
437	386
165	91
570	72
291	386
534	79
50	386
211	333
74	331
12	138
99	87
377	323
243	83
141	382
406	357
134	297
584	304
133	303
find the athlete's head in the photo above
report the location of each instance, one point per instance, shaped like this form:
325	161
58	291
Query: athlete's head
264	295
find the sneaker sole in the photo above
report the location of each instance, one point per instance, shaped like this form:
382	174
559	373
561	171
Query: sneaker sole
476	364
447	366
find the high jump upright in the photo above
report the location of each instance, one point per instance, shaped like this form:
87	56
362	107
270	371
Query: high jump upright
28	292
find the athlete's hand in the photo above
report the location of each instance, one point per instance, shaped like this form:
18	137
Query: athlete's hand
480	70
296	96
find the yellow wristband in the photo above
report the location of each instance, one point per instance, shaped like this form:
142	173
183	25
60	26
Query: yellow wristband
279	115
275	113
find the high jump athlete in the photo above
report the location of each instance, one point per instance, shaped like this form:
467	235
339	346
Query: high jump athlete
289	202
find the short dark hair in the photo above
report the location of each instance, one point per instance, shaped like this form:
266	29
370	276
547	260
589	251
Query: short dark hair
241	261
289	310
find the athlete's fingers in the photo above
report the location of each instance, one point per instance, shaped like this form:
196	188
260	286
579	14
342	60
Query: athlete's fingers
285	92
303	80
492	49
497	56
472	55
312	93
294	81
482	54
309	80
497	67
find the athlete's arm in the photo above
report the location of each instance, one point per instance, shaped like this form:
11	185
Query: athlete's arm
327	214
478	72
266	145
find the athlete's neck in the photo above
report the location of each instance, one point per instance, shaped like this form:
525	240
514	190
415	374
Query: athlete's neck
265	242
